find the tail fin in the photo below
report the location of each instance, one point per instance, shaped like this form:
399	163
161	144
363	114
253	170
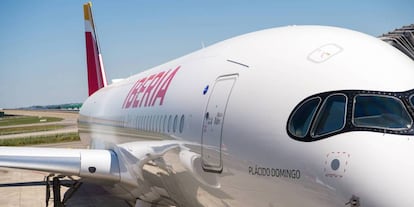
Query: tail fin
96	72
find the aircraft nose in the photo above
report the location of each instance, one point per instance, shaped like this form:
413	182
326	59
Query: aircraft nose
378	171
377	176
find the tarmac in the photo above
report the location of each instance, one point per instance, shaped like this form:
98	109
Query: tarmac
20	188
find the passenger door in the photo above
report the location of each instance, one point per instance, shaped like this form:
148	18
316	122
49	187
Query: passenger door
211	138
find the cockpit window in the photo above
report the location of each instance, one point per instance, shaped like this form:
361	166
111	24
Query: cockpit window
331	117
329	113
385	112
412	100
302	117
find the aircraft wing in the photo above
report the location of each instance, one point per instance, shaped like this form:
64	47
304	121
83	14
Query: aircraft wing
93	164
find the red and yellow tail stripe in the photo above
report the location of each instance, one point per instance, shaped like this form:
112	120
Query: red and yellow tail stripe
96	72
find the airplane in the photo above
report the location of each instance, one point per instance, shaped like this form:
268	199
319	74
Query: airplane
290	116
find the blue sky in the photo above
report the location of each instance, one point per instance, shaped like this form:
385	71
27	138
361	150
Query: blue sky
42	52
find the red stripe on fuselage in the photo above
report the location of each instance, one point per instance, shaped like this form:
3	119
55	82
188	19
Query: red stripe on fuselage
95	80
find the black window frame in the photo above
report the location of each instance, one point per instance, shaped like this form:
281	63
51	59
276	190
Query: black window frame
404	96
312	118
409	100
385	96
316	119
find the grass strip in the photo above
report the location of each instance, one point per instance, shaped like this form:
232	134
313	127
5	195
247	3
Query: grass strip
49	139
17	120
28	129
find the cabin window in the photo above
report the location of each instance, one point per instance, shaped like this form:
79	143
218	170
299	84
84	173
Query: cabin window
182	123
156	123
169	123
300	122
157	126
164	124
331	117
175	123
159	123
150	119
138	122
151	125
378	111
144	123
147	123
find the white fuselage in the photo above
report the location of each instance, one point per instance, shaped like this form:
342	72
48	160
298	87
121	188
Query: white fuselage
220	132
